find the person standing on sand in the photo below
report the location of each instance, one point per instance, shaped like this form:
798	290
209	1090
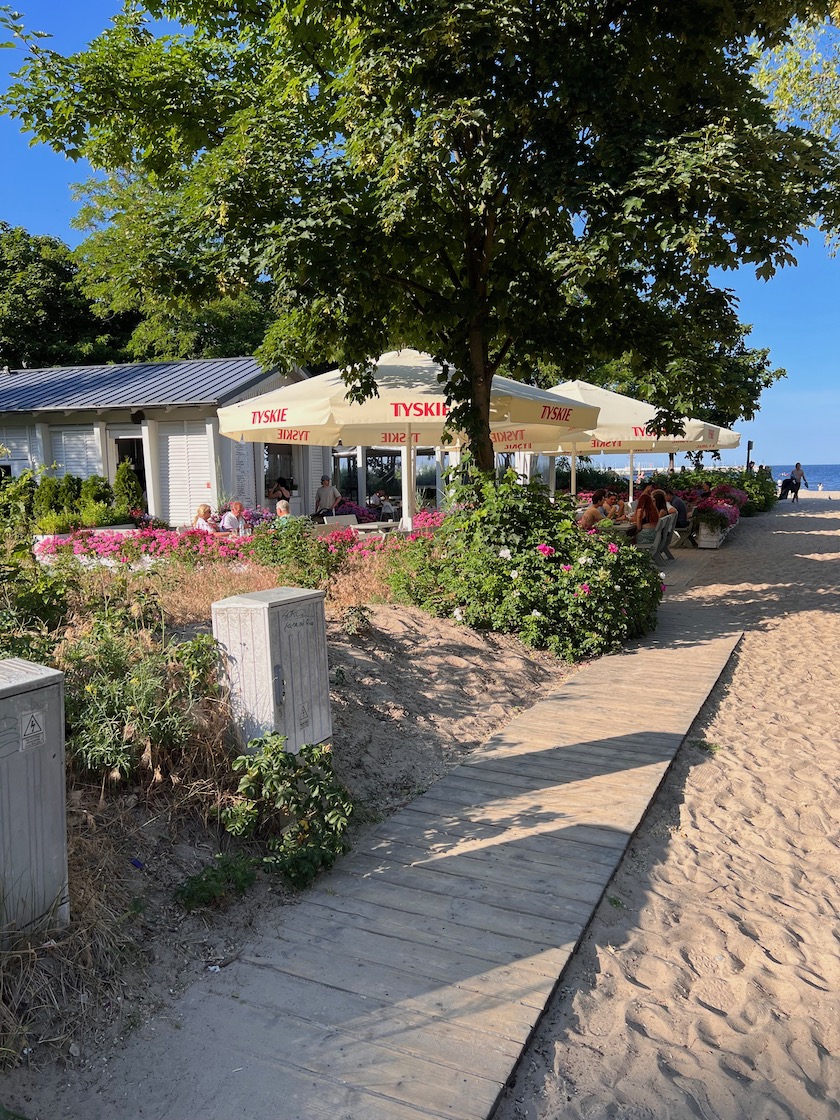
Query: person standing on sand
798	475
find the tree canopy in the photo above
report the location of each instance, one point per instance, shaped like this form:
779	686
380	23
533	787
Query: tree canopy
45	319
499	183
802	75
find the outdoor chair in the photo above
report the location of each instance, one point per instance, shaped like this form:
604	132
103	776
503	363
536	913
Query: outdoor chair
658	546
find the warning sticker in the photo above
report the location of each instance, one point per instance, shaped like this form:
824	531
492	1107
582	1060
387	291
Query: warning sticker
32	732
303	716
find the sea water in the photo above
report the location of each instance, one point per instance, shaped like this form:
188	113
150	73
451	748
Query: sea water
826	473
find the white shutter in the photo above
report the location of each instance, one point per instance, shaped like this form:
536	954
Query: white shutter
75	452
184	469
17	443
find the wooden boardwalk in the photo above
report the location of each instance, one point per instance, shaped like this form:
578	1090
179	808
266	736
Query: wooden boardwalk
407	982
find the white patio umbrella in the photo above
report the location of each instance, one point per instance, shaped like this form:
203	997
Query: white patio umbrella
410	411
625	425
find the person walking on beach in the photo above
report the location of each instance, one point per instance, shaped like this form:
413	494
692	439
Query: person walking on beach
798	476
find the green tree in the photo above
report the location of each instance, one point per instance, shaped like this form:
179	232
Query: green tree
44	317
801	76
497	184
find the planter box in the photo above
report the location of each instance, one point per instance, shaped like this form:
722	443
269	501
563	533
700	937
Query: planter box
707	537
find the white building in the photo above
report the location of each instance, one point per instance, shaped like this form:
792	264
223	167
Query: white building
84	420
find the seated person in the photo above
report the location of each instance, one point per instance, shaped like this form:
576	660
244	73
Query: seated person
202	520
645	520
386	508
594	513
282	509
233	522
676	503
661	503
614	507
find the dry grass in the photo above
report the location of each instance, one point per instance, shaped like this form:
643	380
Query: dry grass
361	581
188	593
54	986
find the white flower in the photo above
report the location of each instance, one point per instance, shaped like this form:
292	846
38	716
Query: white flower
514	574
457	614
505	554
661	575
585	560
535	614
514	594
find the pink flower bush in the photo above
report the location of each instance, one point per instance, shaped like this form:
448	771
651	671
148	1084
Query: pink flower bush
127	548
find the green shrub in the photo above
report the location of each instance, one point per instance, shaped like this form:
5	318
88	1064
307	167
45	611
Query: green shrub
128	493
294	803
17	497
134	701
47	497
33	605
506	559
96	489
305	560
53	522
99	515
70	489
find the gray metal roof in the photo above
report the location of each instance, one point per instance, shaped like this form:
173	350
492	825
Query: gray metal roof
200	381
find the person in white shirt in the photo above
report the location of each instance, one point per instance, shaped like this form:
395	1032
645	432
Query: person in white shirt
233	522
202	520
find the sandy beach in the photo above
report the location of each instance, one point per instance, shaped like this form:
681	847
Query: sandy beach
708	984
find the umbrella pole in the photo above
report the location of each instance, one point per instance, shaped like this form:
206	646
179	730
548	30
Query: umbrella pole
631	477
573	461
552	476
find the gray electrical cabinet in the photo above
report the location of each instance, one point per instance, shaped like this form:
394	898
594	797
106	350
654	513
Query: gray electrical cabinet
33	826
274	646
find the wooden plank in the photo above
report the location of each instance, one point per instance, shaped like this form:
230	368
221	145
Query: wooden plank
443	965
470	1010
477	915
482	944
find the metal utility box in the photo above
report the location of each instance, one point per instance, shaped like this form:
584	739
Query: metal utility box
274	645
33	826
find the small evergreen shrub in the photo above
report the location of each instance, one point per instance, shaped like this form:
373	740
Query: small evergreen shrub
128	493
96	489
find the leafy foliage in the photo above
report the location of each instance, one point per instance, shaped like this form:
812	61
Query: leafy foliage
506	559
214	884
45	319
495	184
294	803
305	560
134	702
33	603
128	493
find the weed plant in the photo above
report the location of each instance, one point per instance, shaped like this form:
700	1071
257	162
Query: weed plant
293	803
214	885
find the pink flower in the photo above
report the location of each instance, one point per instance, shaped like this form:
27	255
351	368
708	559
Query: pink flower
566	567
612	546
546	549
584	587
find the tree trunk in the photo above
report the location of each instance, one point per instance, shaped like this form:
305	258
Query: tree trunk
481	378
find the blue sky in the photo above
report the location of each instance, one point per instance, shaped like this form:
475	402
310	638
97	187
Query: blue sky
795	314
